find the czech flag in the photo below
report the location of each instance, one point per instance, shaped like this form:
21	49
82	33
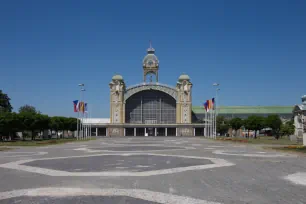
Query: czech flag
207	105
76	106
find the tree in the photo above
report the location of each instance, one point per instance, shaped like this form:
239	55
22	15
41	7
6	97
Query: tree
274	122
9	124
27	120
28	109
42	122
255	123
222	125
72	124
5	105
56	124
288	128
236	124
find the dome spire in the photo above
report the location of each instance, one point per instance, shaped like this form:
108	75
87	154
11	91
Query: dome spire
150	50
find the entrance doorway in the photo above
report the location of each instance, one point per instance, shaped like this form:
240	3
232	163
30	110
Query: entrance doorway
199	131
140	131
171	131
151	131
129	131
101	131
161	132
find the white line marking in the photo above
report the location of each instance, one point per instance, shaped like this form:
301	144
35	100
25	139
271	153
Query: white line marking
297	178
23	154
20	165
255	154
175	148
134	193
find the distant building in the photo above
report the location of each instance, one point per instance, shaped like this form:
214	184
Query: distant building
154	109
299	112
229	112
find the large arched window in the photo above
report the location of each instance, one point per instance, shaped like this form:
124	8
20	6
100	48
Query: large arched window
150	107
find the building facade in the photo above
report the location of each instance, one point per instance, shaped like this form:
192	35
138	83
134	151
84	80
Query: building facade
243	112
154	109
299	113
150	108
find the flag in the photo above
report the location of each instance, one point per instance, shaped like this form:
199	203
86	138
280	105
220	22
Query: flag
208	105
85	108
213	103
81	107
205	105
76	106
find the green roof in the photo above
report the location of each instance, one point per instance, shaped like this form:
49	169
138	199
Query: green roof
248	109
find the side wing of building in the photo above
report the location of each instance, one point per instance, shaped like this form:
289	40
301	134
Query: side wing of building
285	112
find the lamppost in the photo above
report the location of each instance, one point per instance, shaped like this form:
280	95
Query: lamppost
78	130
83	105
216	109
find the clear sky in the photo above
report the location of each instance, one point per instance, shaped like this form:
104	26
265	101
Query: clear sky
256	50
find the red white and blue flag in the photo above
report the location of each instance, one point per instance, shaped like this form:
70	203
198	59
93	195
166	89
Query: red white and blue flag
76	106
205	105
86	110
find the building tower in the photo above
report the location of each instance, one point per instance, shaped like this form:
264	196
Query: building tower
117	88
184	100
150	65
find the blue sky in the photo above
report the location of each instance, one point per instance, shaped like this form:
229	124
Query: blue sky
256	50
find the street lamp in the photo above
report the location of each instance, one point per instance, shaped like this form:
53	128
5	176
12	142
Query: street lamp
79	130
82	127
216	109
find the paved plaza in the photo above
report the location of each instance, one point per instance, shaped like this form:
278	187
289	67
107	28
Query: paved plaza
147	170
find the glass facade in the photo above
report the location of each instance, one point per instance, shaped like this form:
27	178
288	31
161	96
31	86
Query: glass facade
150	107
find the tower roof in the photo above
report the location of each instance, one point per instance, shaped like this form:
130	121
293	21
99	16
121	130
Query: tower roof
117	77
151	50
150	59
184	77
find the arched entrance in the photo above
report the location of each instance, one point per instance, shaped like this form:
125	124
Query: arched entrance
150	107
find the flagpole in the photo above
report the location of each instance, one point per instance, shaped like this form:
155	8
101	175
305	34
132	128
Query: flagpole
215	124
210	119
78	108
77	135
216	109
211	124
205	123
82	119
90	123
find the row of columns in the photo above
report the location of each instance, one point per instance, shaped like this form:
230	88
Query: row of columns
205	133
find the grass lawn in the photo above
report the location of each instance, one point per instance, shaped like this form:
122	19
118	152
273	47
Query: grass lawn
260	140
41	142
5	149
292	148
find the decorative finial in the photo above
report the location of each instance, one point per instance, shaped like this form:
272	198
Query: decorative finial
150	50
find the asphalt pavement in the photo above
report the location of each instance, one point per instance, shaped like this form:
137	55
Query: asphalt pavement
147	170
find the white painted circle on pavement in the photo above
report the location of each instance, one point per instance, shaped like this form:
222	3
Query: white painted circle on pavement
134	193
297	178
